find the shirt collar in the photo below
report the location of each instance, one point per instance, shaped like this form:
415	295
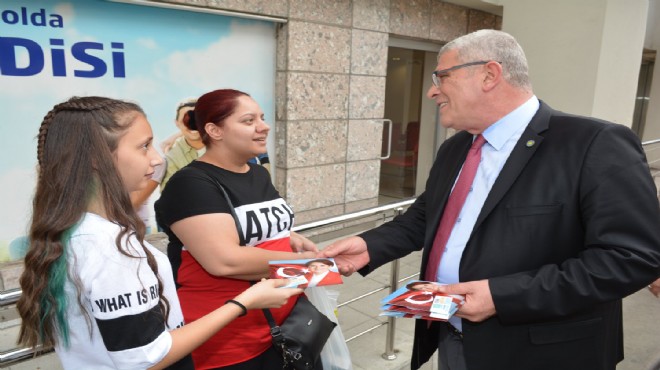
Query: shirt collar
501	131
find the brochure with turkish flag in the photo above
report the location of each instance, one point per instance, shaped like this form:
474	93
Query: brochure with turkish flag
419	300
306	273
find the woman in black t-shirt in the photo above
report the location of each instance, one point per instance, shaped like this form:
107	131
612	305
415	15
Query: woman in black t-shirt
205	249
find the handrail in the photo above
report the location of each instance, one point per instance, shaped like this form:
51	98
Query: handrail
354	215
9	296
652	156
18	354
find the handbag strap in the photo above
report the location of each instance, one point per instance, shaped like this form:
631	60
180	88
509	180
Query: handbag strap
275	331
239	228
274	328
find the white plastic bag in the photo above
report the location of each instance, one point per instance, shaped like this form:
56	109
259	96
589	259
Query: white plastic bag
335	354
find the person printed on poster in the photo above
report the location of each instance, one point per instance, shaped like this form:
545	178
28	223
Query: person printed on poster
305	273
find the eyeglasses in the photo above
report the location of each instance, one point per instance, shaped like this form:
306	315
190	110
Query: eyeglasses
437	76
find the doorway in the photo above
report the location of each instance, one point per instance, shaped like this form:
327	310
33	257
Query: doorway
414	135
643	92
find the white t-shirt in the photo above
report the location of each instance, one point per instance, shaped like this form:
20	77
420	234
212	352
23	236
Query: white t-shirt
120	293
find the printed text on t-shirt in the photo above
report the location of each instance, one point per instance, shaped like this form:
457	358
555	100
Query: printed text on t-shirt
265	220
124	300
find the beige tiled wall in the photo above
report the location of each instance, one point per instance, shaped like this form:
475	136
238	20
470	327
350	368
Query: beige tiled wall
410	17
371	15
318	48
481	20
360	139
367	97
330	89
316	95
317	142
337	12
316	186
369	53
448	21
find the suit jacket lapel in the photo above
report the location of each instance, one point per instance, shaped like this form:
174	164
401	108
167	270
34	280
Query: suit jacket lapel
517	161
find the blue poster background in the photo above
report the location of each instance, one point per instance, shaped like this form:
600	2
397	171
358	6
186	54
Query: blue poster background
155	57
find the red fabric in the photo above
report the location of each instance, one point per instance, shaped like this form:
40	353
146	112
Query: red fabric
454	206
244	338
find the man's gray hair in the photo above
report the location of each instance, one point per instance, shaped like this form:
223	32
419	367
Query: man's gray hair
493	45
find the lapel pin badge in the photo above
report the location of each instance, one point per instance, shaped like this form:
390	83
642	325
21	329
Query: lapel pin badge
530	143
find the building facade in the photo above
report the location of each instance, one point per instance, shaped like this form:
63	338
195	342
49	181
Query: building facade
332	70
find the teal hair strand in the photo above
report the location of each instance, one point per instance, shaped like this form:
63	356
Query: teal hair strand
54	301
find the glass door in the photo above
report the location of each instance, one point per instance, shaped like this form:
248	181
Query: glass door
414	128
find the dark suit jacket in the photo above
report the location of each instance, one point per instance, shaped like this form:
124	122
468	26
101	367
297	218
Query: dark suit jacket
571	225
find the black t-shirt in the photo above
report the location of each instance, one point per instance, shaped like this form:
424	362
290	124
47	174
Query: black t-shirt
263	214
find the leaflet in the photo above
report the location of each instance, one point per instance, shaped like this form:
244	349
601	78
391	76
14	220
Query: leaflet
419	300
306	273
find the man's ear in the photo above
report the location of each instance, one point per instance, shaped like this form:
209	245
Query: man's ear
214	131
493	75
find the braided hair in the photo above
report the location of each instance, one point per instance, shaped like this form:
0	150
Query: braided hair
75	147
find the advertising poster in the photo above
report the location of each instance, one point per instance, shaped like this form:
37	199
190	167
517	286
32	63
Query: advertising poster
53	50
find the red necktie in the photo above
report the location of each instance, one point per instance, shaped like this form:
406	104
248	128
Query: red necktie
454	206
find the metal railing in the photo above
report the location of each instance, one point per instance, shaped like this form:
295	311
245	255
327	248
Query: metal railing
10	296
653	156
17	354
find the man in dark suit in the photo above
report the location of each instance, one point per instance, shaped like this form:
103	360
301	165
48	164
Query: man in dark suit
560	222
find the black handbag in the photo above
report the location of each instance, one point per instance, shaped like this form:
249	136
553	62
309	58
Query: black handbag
303	333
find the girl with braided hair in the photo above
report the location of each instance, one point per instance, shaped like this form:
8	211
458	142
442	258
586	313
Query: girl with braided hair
92	287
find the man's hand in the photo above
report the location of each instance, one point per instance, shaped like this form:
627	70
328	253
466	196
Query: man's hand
350	254
478	301
301	244
654	287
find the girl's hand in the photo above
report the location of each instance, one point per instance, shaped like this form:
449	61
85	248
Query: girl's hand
267	294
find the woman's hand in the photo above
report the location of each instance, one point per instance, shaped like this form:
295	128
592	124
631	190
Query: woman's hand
301	244
267	294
